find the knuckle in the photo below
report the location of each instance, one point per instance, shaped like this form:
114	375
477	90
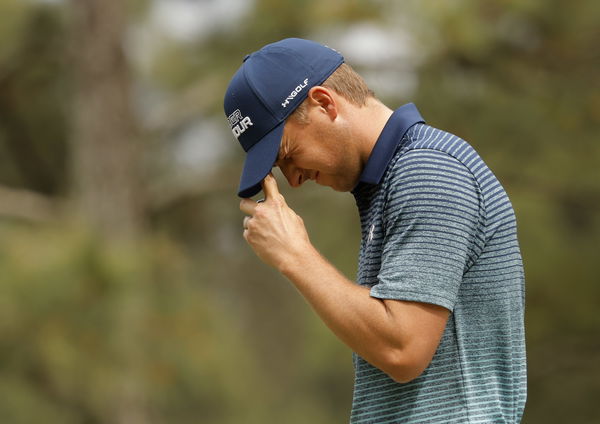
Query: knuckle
278	200
251	239
259	212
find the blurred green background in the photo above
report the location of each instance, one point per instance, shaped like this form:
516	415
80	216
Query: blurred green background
127	293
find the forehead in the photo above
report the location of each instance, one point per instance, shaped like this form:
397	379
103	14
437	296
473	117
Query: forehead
291	129
282	145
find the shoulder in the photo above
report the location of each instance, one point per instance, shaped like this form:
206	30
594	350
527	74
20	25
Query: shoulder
427	151
423	136
425	182
427	168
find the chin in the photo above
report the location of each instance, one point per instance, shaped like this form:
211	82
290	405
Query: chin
336	185
341	189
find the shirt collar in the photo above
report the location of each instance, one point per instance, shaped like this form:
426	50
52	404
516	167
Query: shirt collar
399	122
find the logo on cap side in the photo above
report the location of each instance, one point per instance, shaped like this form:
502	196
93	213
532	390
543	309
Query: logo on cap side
239	123
295	92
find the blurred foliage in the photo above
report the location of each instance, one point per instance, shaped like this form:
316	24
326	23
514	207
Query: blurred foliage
104	331
83	319
33	77
184	324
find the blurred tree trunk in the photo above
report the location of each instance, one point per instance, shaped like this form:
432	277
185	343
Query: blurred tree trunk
105	162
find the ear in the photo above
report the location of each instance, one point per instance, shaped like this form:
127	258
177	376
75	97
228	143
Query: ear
325	100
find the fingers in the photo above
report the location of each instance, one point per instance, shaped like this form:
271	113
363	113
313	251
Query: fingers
245	222
269	186
248	206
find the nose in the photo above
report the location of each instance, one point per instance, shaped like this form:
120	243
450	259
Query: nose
294	175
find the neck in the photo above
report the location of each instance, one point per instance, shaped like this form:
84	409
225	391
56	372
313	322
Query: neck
370	120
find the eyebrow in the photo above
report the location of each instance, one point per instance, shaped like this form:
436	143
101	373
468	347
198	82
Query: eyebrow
282	149
278	155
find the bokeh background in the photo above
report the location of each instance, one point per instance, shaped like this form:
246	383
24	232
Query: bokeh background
127	293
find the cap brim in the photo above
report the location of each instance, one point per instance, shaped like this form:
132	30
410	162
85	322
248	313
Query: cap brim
259	161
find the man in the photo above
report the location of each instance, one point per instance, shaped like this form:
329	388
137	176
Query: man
436	319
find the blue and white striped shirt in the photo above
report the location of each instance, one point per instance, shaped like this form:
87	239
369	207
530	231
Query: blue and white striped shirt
437	227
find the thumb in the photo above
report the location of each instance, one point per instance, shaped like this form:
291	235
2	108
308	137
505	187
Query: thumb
269	185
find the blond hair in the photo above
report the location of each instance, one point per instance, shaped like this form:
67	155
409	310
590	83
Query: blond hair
345	82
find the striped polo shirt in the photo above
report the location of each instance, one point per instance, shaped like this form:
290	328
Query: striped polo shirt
437	227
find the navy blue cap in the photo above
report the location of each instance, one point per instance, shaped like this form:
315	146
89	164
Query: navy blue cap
266	89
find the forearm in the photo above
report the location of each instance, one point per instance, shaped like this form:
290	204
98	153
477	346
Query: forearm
359	320
398	337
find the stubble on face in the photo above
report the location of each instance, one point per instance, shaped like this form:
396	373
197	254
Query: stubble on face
344	165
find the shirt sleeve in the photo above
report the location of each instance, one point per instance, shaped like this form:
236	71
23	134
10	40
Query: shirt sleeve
432	215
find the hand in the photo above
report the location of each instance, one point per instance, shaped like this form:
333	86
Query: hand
275	232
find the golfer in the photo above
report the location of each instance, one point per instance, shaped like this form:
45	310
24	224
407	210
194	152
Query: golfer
435	318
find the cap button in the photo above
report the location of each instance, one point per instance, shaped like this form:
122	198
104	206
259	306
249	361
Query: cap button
246	57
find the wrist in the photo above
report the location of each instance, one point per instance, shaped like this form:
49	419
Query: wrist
298	260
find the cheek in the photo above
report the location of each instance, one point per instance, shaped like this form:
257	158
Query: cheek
323	151
314	157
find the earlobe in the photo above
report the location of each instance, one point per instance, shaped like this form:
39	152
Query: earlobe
331	109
